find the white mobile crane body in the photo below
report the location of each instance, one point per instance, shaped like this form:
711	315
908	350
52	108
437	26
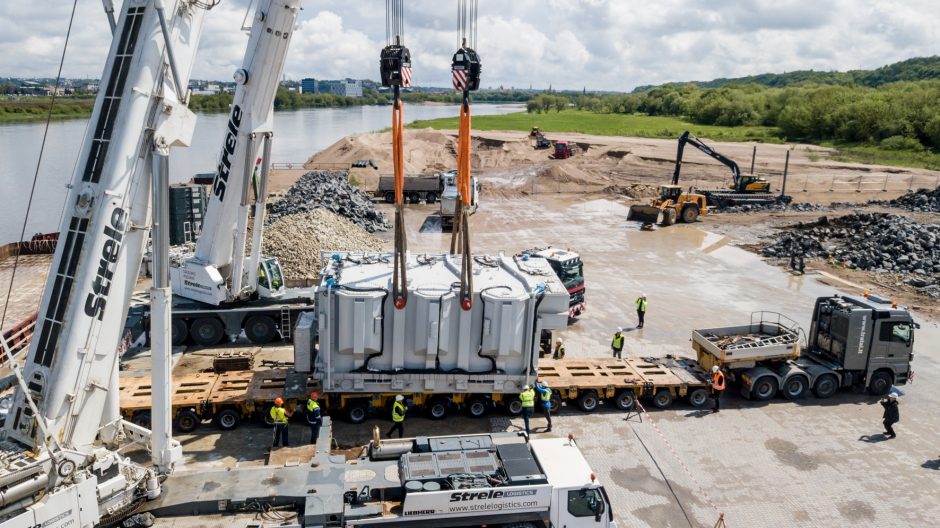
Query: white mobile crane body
59	460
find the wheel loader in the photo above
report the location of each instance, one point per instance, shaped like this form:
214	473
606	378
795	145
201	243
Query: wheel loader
673	205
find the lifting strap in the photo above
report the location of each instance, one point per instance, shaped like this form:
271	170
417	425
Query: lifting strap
399	274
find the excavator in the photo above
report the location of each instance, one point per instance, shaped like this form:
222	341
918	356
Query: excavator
744	189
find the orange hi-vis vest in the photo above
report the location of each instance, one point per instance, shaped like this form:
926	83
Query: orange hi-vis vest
718	381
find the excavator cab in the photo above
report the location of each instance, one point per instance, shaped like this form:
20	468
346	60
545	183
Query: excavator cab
270	277
751	184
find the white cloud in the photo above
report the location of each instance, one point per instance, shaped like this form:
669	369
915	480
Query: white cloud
614	44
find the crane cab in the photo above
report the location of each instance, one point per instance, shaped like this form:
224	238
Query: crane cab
270	278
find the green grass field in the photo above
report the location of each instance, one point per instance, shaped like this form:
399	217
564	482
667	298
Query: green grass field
607	125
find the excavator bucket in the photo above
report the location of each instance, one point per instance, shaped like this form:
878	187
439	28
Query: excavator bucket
645	213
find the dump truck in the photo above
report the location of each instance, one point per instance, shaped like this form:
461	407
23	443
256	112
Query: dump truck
564	150
458	481
426	187
864	342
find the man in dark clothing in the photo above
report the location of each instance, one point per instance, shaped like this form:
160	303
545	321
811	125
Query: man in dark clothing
641	310
314	417
891	416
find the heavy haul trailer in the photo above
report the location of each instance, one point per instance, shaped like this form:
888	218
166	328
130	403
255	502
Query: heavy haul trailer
499	480
861	342
434	350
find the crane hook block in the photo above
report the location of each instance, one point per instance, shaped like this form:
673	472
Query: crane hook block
465	68
395	66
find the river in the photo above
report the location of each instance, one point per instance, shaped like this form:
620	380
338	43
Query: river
297	135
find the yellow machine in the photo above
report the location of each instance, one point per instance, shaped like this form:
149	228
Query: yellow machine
672	205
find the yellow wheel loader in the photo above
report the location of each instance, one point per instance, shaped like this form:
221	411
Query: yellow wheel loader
673	205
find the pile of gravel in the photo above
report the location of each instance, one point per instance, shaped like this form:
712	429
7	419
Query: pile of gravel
867	241
297	240
921	200
329	190
774	207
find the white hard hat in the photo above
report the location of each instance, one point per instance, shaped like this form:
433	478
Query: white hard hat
559	340
715	368
893	395
525	387
643	295
619	329
399	398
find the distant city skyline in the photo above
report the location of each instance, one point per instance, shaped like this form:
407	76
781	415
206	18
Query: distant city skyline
597	44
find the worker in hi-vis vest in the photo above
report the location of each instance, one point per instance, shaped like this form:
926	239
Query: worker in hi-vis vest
314	417
527	397
279	417
641	310
398	417
718	386
616	345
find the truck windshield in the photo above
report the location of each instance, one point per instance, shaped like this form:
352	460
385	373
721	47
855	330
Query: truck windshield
571	276
896	333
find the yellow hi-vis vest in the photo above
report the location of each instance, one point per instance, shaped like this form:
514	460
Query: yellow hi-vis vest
312	404
279	415
398	412
617	343
641	304
528	398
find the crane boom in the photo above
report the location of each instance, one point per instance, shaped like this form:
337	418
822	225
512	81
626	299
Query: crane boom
219	270
64	424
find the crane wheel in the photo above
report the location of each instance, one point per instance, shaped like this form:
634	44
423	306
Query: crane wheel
179	332
690	214
207	331
260	329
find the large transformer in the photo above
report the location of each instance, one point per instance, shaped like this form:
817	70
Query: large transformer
433	345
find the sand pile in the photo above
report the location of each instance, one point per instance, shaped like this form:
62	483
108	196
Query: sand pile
297	240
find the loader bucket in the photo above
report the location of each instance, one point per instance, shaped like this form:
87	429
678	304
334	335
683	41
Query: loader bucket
645	213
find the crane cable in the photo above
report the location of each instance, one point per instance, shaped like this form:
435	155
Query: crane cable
395	65
465	70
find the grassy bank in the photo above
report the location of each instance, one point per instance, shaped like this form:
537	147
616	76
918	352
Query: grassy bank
584	122
637	125
36	109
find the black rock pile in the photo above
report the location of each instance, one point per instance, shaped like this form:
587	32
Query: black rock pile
774	207
867	241
921	200
332	191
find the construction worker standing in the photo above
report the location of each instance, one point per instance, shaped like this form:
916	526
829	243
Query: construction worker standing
559	351
314	417
891	415
617	344
527	397
545	394
280	416
640	310
398	417
718	386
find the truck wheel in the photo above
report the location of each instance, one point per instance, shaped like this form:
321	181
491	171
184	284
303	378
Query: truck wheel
179	332
437	408
555	402
764	388
414	198
260	329
826	385
186	421
689	215
431	198
357	412
389	197
142	418
795	387
625	400
880	383
669	217
588	401
265	417
514	407
228	419
698	398
476	407
207	331
663	399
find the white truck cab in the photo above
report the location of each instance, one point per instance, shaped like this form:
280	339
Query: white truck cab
578	500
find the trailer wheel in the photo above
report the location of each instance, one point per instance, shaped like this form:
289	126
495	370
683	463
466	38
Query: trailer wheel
260	329
764	388
228	419
207	331
663	399
625	400
476	407
880	383
690	214
431	197
179	332
437	408
698	398
389	197
588	401
555	402
357	412
265	417
142	418
795	387
826	385
514	407
186	421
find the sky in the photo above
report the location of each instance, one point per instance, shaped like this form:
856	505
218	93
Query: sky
568	44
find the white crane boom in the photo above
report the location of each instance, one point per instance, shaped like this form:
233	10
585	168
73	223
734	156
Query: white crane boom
219	271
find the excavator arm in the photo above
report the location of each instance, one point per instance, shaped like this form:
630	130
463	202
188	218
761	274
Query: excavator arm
687	137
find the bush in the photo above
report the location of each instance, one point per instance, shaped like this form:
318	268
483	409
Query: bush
901	143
